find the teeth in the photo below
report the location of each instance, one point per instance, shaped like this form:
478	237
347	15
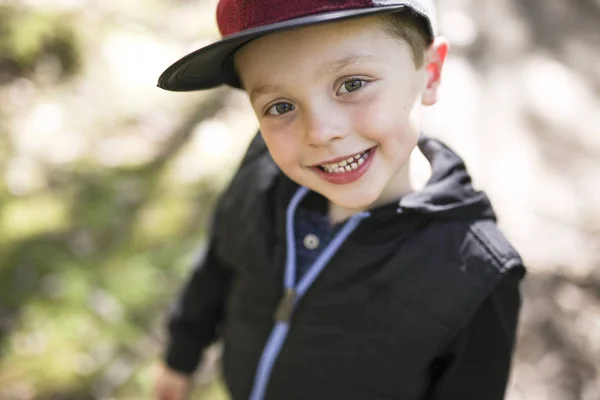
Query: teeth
347	165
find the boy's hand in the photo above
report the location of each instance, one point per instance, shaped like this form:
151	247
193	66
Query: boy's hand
170	384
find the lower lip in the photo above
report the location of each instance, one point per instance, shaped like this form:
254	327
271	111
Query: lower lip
344	178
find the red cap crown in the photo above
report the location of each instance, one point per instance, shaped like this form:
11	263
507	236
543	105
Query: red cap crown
238	15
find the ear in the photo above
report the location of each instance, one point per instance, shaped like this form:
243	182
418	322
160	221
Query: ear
434	58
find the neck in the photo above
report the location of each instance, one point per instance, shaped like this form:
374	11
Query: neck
411	178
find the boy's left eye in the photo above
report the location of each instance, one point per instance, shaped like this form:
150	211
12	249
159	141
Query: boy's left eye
280	108
351	85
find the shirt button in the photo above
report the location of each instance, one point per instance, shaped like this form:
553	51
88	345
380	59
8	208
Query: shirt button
311	241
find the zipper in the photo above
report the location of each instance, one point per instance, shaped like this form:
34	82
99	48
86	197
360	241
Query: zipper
293	293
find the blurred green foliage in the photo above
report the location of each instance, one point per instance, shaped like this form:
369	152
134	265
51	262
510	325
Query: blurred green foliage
85	276
27	37
89	260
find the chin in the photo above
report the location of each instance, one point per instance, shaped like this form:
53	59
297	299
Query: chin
354	202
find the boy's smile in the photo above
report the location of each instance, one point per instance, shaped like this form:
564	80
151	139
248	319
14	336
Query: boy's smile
346	169
338	106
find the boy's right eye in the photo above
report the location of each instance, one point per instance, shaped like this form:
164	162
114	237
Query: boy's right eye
280	108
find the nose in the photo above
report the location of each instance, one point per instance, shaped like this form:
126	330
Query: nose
322	126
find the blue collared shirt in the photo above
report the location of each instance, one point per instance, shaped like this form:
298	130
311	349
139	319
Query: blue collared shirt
313	232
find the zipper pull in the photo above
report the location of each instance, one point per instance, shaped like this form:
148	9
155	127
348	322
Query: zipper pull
286	306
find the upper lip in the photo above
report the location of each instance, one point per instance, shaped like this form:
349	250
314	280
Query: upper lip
339	159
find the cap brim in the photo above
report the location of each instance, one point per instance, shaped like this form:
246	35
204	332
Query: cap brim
212	65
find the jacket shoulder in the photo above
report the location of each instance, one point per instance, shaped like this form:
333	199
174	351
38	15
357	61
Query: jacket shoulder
471	259
486	251
243	217
254	177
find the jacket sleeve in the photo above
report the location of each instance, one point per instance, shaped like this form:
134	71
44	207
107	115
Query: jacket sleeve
476	363
198	312
195	318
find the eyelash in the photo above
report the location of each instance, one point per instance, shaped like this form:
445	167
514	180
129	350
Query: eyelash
353	79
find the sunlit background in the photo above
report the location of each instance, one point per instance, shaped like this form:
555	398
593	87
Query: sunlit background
107	182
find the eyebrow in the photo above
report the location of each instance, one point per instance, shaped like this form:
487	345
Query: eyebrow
328	69
263	89
351	60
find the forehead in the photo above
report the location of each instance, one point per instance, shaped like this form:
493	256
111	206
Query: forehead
326	47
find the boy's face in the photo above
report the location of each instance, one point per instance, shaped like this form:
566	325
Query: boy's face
338	106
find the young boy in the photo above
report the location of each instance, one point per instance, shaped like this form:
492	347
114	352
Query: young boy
350	258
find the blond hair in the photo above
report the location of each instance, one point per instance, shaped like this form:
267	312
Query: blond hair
410	28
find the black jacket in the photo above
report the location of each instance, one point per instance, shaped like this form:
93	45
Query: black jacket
420	302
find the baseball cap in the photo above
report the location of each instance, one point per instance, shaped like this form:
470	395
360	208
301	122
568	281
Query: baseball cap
241	21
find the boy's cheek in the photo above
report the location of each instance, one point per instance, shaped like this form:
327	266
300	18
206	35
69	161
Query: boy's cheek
383	125
282	153
382	110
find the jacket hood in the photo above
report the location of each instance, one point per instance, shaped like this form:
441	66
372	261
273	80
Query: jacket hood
449	192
